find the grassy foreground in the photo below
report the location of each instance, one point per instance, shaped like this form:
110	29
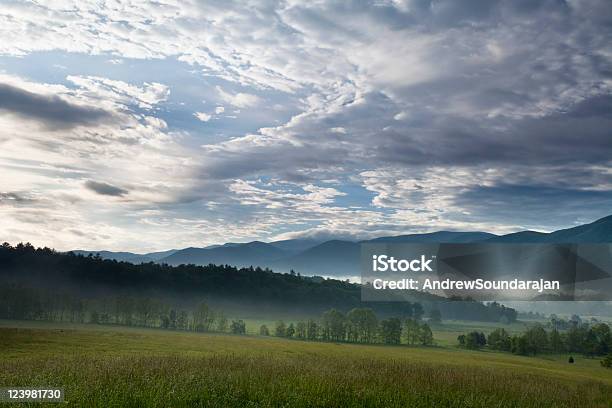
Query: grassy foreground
123	367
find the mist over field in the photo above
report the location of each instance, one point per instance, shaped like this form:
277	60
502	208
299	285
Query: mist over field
187	188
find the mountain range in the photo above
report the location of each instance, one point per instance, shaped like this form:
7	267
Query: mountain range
341	258
129	256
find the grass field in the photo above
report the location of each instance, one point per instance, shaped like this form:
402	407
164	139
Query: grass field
102	366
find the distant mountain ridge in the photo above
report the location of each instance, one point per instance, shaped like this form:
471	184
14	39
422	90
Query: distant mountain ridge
438	237
341	258
128	256
254	253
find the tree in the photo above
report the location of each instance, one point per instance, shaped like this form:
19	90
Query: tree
603	338
334	328
391	331
202	318
173	317
263	330
352	327
576	320
575	338
461	340
556	342
499	339
77	309
536	339
221	323
519	345
94	318
362	325
475	340
312	330
104	318
238	327
425	335
290	330
411	331
144	311
590	345
300	330
182	320
607	361
123	310
164	322
281	329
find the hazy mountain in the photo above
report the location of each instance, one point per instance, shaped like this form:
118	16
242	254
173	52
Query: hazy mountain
296	245
254	253
599	231
522	237
331	258
128	256
341	258
156	256
438	237
118	256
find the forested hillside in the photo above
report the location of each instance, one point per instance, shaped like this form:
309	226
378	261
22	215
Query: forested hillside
43	273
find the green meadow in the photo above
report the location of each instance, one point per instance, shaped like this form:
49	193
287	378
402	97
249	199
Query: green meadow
107	366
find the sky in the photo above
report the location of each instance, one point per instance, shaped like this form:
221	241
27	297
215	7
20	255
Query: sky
141	126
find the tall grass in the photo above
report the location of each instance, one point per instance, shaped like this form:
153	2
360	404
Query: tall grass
247	372
300	381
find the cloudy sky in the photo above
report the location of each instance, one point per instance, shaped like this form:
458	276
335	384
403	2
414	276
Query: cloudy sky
153	125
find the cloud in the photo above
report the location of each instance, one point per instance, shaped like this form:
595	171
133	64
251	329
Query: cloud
46	170
145	96
385	116
240	99
105	189
50	110
202	116
15	198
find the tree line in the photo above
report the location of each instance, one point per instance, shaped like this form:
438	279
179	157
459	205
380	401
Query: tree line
35	304
588	339
359	325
